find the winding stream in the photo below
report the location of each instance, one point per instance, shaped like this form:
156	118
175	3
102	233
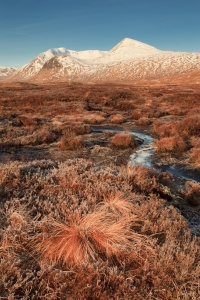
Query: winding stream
143	156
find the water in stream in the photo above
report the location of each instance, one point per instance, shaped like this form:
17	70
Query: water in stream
143	156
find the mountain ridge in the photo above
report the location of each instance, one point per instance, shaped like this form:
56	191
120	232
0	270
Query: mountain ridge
129	60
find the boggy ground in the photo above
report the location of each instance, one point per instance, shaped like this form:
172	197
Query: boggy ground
76	222
33	116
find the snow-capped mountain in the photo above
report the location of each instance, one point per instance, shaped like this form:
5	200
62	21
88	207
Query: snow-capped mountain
5	71
128	49
29	70
129	60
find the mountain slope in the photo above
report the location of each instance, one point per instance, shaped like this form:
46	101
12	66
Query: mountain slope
6	71
31	69
129	60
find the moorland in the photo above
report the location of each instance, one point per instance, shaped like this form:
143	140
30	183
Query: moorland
76	220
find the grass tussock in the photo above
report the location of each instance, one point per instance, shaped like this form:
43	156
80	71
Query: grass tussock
171	144
123	140
76	230
192	193
117	119
165	129
70	141
84	240
143	121
194	156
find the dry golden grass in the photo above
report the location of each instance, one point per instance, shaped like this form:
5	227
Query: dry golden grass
143	121
70	141
192	193
165	129
136	114
195	157
123	140
117	203
72	225
98	234
79	230
117	119
190	125
94	118
171	144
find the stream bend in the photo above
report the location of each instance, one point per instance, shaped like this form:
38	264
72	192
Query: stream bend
143	156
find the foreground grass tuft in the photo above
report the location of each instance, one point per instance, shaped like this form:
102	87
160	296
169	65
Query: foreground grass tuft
78	231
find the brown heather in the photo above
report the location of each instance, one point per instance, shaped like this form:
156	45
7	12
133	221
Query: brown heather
143	121
76	230
171	144
83	229
71	142
123	140
117	119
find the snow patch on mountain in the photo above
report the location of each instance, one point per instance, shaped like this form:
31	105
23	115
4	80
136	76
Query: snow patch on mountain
129	60
37	63
128	49
6	71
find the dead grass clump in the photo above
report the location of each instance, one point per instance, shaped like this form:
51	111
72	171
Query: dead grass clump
177	111
142	177
77	229
125	105
117	203
84	240
123	140
165	129
77	128
158	113
117	119
136	114
143	121
190	125
43	135
71	143
192	193
171	144
195	157
95	119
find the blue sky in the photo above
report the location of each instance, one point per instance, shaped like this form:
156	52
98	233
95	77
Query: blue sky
29	27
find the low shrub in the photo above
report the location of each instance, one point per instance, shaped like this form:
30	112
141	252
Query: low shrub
195	157
165	129
117	119
123	140
75	230
171	144
136	114
71	142
95	119
143	121
190	125
143	178
192	193
77	128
